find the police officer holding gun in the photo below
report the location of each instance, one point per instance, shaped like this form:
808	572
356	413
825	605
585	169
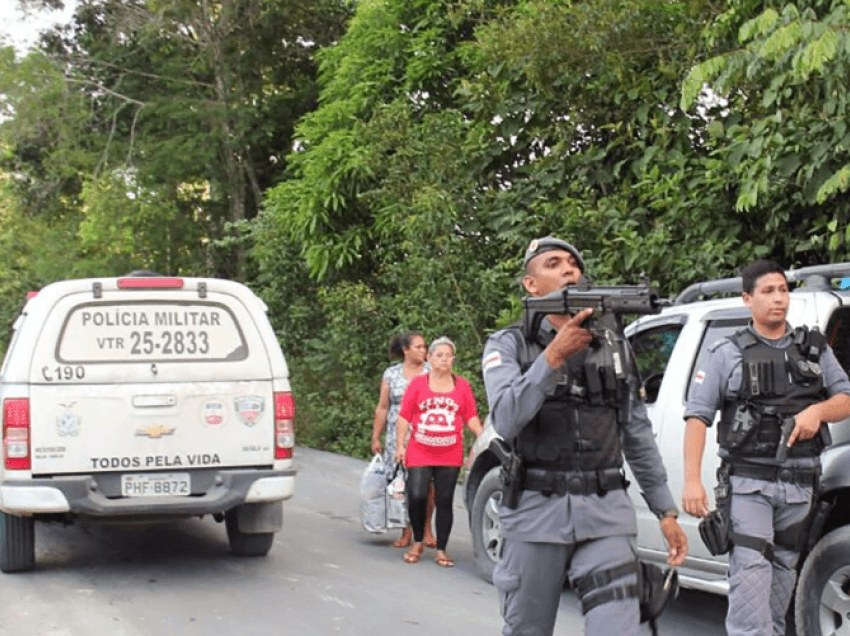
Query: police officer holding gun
776	388
571	515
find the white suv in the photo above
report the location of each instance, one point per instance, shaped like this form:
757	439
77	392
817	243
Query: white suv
144	398
668	347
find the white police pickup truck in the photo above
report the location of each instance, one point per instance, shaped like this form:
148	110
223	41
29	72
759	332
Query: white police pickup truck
141	399
668	348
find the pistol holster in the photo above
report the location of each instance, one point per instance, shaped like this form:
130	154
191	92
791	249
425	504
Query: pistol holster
714	531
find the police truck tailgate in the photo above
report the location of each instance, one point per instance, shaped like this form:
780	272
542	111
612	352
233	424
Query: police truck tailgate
135	380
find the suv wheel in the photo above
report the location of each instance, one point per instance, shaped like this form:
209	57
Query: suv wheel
17	543
486	531
822	602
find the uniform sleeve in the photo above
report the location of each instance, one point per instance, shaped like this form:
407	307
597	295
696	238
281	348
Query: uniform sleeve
711	381
834	377
644	458
408	402
514	397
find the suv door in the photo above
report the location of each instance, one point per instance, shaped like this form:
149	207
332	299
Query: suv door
679	351
715	326
653	344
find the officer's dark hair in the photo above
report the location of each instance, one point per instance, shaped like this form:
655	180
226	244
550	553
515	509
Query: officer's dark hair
400	342
751	273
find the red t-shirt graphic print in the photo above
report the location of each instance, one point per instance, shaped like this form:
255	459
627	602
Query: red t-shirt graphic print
436	421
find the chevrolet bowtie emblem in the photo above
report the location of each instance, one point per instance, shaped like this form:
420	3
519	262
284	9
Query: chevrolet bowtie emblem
155	432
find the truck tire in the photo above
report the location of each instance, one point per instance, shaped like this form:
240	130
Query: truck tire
822	600
486	530
17	543
248	544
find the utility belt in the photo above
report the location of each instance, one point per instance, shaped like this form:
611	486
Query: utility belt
555	482
801	476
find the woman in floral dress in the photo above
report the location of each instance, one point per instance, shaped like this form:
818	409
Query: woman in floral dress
409	346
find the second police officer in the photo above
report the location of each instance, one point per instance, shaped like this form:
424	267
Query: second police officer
573	517
763	379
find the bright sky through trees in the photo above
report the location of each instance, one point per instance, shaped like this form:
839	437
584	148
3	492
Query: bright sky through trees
22	30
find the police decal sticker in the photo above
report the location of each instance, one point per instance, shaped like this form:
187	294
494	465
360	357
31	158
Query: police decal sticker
249	408
214	413
68	424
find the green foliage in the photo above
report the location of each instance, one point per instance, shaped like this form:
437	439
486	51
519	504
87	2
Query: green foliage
125	227
42	134
783	121
193	103
336	380
34	251
422	177
680	139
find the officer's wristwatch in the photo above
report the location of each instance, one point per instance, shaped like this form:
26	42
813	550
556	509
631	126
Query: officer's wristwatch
670	512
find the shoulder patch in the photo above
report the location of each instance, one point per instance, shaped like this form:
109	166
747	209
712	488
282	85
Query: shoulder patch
490	361
699	377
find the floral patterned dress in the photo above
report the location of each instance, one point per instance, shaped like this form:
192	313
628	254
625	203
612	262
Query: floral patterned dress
394	377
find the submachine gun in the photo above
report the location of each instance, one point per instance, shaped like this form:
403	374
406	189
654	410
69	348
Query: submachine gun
609	365
608	303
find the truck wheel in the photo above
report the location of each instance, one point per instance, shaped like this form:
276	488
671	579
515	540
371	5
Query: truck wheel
17	543
246	543
486	530
822	600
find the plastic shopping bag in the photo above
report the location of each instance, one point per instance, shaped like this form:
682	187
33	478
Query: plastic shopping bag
373	496
397	499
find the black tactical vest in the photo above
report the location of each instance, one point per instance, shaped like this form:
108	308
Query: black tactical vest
577	427
775	384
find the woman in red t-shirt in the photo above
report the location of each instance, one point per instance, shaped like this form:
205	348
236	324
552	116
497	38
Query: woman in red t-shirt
436	406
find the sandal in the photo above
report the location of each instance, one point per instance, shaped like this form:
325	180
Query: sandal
444	560
430	542
413	554
405	540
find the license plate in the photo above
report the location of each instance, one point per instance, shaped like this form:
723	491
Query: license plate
156	485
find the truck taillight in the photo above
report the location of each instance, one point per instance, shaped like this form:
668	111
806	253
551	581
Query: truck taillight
16	433
284	428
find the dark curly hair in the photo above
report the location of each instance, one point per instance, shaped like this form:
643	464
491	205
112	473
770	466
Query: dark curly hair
401	342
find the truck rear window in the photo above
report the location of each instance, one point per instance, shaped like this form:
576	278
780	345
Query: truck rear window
150	331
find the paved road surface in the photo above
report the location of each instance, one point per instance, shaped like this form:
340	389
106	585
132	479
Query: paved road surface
323	576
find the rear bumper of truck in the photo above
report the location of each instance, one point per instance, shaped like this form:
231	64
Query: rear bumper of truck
97	495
